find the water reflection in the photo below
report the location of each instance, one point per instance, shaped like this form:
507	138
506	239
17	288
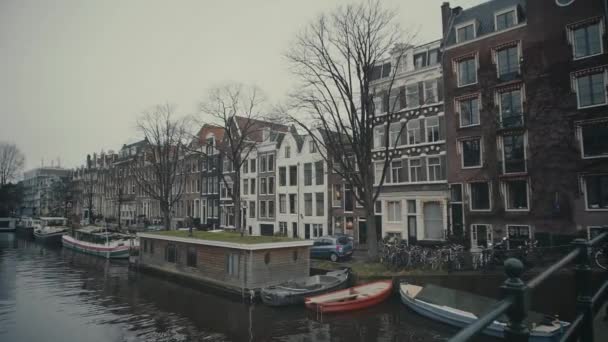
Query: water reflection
54	294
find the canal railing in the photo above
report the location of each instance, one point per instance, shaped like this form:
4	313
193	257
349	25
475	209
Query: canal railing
516	297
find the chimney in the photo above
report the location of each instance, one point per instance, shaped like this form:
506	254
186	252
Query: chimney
446	12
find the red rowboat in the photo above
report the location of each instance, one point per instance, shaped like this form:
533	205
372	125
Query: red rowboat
353	298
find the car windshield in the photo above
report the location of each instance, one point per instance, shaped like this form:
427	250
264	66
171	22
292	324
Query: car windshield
343	240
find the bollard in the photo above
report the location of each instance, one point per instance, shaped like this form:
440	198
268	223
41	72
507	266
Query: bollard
516	330
584	290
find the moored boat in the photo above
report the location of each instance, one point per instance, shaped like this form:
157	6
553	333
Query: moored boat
459	308
296	291
26	225
354	298
50	229
100	242
7	224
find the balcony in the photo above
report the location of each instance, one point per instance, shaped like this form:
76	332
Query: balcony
510	121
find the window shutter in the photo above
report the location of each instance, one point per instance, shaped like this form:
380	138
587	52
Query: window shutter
442	127
440	89
421	99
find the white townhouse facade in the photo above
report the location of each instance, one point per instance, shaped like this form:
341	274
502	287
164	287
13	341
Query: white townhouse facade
413	202
288	186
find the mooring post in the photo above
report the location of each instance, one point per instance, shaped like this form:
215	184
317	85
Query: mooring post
514	287
584	294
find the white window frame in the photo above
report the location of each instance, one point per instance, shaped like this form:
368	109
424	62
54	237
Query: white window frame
376	178
522	99
428	168
333	195
503	11
505	195
530	235
388	211
465	24
475	235
496	59
395	142
409	169
417	129
461	151
435	86
426	129
501	141
584	187
570	33
578	101
580	137
458	110
287	152
407	99
392	180
470	197
457	62
379	131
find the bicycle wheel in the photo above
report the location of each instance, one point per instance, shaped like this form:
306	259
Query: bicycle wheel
601	259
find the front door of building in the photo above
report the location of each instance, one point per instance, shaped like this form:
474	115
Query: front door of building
307	231
294	229
481	235
267	229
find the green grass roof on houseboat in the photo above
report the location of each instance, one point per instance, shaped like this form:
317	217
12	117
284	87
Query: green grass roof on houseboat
233	237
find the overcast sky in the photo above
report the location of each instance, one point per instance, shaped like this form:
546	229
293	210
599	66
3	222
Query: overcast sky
75	74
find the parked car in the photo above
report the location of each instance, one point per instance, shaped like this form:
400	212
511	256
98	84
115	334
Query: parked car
332	247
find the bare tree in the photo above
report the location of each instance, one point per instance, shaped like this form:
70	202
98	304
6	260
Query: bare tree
157	171
336	58
236	108
11	162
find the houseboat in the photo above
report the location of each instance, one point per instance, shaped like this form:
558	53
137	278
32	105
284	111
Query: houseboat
100	242
25	226
7	224
225	260
50	229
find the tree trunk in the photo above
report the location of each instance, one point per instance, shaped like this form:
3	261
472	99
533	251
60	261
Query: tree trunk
372	241
237	218
167	216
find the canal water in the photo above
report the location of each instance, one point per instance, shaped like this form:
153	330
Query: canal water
53	294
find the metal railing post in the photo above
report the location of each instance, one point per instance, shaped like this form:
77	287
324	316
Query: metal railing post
584	289
514	287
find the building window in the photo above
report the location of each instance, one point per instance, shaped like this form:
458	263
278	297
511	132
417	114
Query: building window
591	90
252	164
170	253
308	174
337	196
378	172
270	167
595	139
597	192
317	230
191	257
469	111
348	198
245	166
471	153
587	39
505	19
245	186
292	203
432	129
413	132
480	196
396	172
287	151
507	62
232	264
433	221
378	207
251	209
319	173
282	176
434	166
379	136
514	154
293	175
271	185
430	92
411	94
282	204
308	204
263	213
510	107
394	211
263	187
518	235
416	170
467	71
253	186
394	134
516	194
420	60
320	205
283	231
465	32
312	146
270	209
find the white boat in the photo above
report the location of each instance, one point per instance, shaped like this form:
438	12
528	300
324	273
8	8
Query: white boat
460	309
100	242
50	229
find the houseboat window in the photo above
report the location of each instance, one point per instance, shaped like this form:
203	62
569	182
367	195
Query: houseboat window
151	247
267	258
295	255
145	246
232	264
170	253
191	260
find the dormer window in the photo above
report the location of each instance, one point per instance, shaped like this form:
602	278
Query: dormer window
465	32
505	19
